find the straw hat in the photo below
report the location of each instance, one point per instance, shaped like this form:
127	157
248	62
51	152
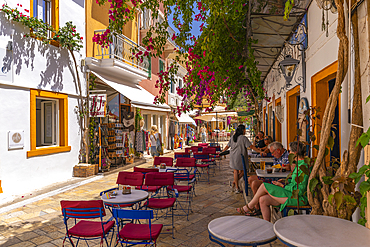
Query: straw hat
154	129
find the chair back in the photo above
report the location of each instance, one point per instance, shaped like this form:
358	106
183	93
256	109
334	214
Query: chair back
203	144
159	179
145	170
245	176
218	148
82	209
187	150
209	150
167	160
196	149
185	162
182	155
132	214
213	144
201	156
130	178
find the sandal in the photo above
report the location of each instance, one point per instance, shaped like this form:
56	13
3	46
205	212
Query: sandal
250	212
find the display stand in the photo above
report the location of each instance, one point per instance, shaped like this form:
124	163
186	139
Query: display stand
115	137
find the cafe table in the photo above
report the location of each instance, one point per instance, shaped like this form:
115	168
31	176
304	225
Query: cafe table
241	230
319	230
120	199
275	175
263	159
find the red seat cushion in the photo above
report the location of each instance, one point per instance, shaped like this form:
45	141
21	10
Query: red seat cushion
148	188
140	231
202	165
181	188
207	160
185	177
90	228
160	203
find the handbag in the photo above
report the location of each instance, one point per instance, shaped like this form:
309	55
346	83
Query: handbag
225	153
159	145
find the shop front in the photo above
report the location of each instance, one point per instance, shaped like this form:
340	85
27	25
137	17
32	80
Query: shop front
124	132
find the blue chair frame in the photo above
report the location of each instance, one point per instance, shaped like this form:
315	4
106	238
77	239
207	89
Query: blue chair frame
245	176
119	214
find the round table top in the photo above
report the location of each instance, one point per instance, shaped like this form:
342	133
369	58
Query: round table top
242	230
168	169
319	230
135	196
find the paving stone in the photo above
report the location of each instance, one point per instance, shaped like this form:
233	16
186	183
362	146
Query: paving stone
41	240
41	223
27	236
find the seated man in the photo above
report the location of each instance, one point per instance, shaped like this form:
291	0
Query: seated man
259	140
277	193
265	151
280	157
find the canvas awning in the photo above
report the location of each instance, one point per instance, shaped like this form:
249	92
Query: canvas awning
272	32
185	119
138	96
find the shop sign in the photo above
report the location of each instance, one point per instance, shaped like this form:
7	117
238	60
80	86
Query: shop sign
97	105
16	139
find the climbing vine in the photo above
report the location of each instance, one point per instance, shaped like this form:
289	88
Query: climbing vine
219	63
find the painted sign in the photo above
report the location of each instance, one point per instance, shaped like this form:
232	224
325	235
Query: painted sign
16	139
97	105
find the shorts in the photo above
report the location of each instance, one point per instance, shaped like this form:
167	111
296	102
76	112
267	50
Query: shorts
154	152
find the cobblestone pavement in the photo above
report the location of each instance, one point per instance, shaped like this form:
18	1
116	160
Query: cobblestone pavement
41	223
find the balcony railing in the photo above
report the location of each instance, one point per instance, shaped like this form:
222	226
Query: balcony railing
171	32
121	49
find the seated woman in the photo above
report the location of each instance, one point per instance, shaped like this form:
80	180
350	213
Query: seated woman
277	194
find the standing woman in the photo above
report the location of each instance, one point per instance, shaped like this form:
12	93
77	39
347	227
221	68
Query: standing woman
238	144
203	132
155	140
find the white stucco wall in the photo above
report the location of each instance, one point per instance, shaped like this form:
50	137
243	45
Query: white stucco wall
321	52
36	66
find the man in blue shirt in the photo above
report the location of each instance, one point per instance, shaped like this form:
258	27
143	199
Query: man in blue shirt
280	154
280	157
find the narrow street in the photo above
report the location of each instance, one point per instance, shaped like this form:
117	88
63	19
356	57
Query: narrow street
41	224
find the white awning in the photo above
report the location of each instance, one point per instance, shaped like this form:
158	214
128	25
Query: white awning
185	119
139	97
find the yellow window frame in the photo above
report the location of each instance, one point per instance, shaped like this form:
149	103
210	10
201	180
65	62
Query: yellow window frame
63	123
54	12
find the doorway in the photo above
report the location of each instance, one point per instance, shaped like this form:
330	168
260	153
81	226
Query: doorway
293	98
322	85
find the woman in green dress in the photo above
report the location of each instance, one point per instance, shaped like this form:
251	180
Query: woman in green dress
277	194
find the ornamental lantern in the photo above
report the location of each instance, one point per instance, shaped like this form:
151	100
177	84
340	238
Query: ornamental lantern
288	66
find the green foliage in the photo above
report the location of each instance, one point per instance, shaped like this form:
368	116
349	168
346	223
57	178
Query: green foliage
220	62
364	138
66	37
288	7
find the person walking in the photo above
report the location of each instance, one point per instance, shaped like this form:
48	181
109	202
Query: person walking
203	132
155	140
238	144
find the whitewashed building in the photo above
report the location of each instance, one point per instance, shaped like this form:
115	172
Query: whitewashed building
39	126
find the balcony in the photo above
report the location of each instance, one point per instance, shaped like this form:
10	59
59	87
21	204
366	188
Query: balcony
117	59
